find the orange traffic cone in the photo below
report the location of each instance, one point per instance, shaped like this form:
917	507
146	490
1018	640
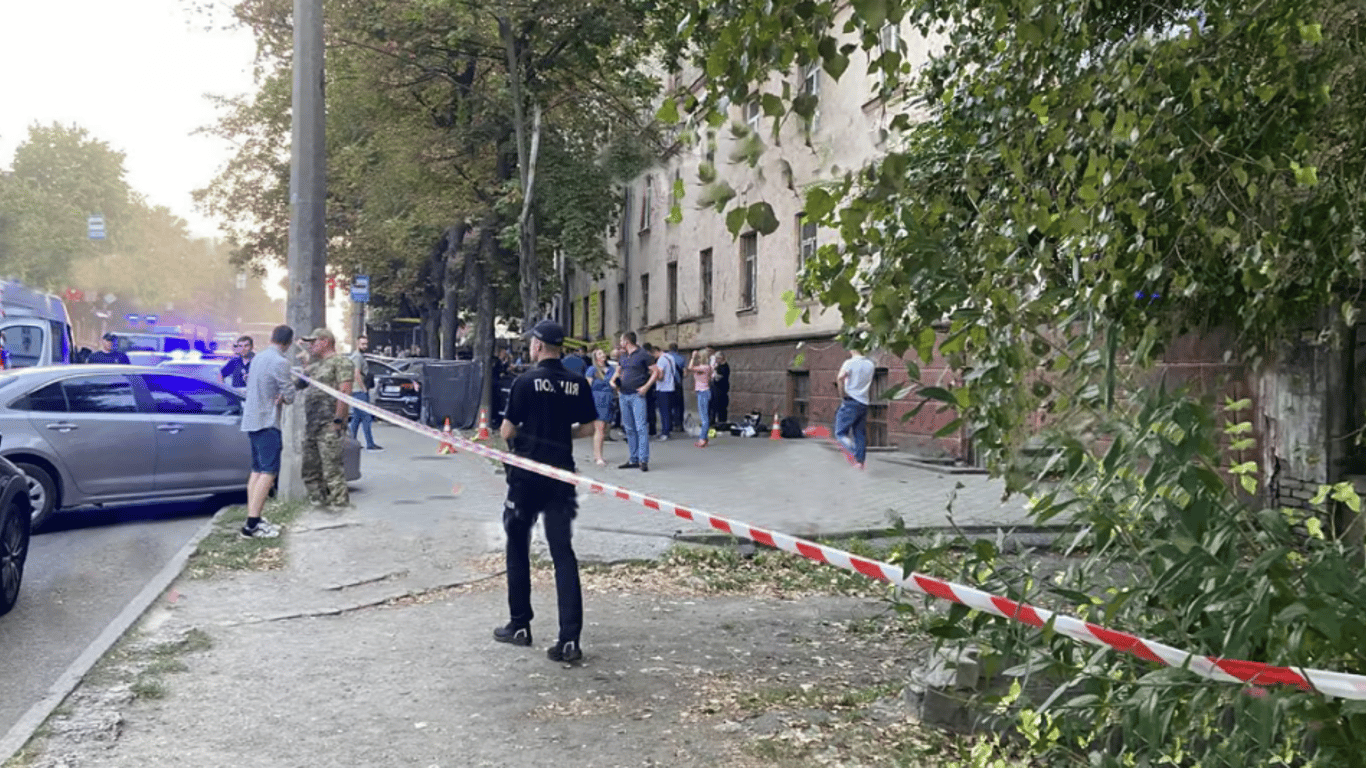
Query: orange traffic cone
777	432
483	433
447	446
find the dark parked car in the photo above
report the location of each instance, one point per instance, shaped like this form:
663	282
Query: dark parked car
15	525
116	434
398	386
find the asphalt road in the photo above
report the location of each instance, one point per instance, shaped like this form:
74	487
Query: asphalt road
83	568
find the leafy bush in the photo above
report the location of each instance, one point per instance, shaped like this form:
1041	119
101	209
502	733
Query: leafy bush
1170	551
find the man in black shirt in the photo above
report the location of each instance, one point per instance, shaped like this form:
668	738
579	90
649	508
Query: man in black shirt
107	353
547	408
634	380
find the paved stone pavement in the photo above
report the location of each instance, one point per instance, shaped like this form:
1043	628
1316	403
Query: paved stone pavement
799	487
315	663
420	517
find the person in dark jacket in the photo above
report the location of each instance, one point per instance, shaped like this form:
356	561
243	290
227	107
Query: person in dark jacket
108	353
720	390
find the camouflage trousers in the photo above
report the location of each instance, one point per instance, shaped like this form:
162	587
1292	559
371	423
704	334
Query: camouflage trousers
323	471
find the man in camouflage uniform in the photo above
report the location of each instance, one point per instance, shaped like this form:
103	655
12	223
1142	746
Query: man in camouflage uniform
325	421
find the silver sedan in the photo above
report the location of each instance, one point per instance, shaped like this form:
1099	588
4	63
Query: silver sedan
114	434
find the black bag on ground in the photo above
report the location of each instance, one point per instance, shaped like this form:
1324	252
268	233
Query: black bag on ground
790	428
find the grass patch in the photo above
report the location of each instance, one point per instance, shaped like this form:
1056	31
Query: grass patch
138	659
24	758
834	724
225	551
148	687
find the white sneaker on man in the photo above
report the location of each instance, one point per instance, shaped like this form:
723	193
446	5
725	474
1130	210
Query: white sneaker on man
263	530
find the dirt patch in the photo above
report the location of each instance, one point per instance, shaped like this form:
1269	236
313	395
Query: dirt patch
700	658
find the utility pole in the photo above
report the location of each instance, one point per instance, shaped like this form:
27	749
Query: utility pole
306	306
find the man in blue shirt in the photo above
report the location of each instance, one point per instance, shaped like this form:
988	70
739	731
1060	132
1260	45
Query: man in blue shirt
234	372
270	390
574	363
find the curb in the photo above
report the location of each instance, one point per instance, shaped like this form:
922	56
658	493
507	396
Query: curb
28	724
1030	536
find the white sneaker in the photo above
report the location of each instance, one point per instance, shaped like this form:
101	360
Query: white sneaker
263	530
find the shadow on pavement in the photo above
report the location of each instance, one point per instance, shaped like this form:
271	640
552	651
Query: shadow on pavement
99	517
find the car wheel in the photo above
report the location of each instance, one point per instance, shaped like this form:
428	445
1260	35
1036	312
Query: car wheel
14	538
42	492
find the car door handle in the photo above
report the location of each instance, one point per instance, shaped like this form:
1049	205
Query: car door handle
62	426
172	428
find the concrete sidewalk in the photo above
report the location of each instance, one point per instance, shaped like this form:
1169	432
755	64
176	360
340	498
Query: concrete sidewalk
371	647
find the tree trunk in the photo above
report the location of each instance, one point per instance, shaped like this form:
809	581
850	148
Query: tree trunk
530	286
526	228
431	324
452	283
483	289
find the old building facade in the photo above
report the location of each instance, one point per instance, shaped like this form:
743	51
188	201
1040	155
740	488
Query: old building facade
692	282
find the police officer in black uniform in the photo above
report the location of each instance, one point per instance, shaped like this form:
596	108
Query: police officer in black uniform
547	409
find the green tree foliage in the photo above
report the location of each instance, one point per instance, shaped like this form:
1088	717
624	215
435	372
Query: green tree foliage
429	122
61	175
1067	187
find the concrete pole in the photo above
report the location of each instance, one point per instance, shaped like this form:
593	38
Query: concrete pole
306	307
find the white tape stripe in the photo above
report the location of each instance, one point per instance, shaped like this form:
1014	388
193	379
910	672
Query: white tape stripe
1338	684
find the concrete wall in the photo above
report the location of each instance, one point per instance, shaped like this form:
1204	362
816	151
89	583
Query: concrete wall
850	132
1310	397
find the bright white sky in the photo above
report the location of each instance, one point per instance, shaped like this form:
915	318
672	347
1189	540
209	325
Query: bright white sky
134	74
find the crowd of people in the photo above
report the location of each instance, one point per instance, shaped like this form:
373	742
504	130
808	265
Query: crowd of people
640	390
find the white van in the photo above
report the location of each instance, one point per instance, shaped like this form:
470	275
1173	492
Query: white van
34	327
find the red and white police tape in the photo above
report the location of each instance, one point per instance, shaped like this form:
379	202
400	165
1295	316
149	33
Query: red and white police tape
1328	683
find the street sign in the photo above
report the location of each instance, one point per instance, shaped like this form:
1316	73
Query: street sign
360	289
95	227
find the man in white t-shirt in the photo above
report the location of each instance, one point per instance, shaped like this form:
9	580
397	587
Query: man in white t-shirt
668	382
851	420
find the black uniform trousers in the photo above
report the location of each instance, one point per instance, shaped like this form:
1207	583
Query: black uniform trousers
557	504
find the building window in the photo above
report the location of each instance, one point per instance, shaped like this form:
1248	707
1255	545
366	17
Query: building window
645	300
704	269
806	247
811	86
674	290
753	113
647	204
749	269
623	312
888	41
587	327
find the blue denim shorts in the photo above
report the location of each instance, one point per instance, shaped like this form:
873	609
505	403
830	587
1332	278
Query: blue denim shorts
266	446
